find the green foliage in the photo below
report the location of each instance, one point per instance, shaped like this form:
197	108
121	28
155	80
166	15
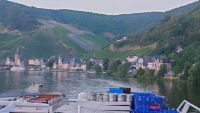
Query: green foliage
186	68
25	18
107	53
121	44
149	73
122	69
102	42
175	31
9	43
105	64
140	72
145	74
98	68
185	59
36	43
162	71
194	73
44	43
117	68
89	65
62	33
50	62
114	66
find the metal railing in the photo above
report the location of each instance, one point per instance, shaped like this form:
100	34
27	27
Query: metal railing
185	105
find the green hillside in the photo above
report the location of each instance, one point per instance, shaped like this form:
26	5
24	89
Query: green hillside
43	32
25	18
107	53
179	31
47	41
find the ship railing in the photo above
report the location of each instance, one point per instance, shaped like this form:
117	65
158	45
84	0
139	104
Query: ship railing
10	107
185	105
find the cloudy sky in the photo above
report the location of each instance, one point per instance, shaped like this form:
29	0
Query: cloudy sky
108	6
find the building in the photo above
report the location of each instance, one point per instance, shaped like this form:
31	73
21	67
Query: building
54	65
179	49
66	66
140	64
83	67
60	63
35	62
7	62
16	58
122	39
154	64
132	59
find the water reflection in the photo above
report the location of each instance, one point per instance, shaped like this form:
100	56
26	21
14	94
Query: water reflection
176	92
73	83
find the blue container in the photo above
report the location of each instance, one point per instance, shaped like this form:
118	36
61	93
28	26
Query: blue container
115	90
149	103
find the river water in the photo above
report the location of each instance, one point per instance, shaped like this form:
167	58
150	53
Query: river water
73	83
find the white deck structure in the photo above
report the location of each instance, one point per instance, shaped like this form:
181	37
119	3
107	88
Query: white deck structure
185	105
24	107
95	107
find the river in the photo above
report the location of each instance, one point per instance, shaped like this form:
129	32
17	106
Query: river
73	83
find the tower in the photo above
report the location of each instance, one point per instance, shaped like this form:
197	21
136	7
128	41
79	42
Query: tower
17	60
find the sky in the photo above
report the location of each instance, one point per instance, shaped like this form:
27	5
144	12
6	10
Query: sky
110	7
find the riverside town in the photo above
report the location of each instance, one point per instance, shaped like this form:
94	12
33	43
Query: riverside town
99	56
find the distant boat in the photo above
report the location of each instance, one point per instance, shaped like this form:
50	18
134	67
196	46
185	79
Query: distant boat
17	68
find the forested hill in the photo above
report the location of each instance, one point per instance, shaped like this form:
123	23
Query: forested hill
175	32
21	17
44	32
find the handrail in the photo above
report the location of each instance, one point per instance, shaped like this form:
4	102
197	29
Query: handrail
185	105
10	107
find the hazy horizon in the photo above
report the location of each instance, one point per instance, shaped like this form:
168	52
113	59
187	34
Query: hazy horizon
109	7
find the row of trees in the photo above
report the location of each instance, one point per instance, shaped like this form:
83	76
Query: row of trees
95	67
190	71
123	69
187	63
151	74
115	67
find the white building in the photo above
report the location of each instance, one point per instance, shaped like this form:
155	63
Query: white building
132	59
54	65
140	64
7	62
155	65
83	67
36	62
122	39
179	49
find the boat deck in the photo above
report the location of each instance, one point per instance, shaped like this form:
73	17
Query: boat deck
95	107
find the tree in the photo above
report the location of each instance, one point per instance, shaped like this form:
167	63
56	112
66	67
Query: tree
114	65
186	68
98	68
122	69
105	64
149	73
89	65
162	71
194	72
50	62
140	72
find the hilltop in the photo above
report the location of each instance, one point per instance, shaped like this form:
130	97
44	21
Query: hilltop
176	36
44	32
